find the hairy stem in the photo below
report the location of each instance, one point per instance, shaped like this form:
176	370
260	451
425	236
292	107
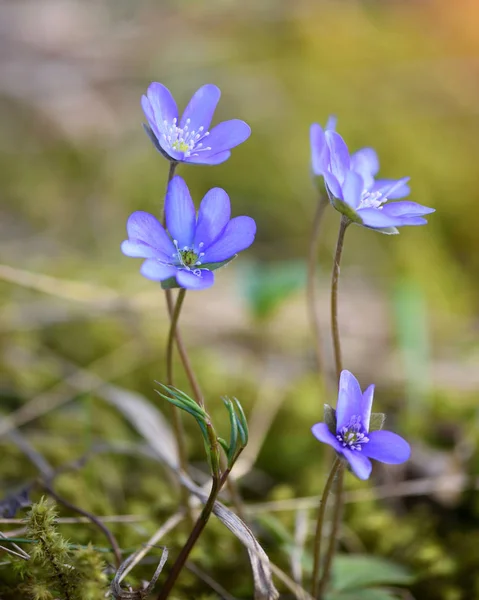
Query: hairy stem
194	535
337	465
334	296
312	282
336	519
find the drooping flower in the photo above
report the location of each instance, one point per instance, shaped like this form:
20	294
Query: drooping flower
186	254
188	139
353	189
351	437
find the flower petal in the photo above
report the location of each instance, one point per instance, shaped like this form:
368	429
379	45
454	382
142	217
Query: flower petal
406	209
156	270
162	107
387	447
366	163
237	235
352	189
350	400
225	136
213	216
191	281
331	123
333	185
201	108
180	212
339	155
145	230
319	150
392	188
360	464
411	221
321	432
373	217
367	405
214	159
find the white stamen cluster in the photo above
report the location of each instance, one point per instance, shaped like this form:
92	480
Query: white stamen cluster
180	139
352	436
372	200
179	257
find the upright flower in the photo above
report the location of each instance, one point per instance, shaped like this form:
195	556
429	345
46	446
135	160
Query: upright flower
193	246
353	189
350	435
188	139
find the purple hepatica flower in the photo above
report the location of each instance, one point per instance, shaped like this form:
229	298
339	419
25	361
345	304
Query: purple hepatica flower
353	189
188	139
351	437
195	247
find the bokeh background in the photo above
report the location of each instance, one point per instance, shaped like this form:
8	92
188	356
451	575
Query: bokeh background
401	76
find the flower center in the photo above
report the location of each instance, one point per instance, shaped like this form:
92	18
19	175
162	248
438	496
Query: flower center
354	435
181	139
372	200
187	257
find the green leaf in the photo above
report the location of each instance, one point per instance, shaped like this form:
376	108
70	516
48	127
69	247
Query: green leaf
242	423
224	444
234	430
351	572
377	421
330	418
169	284
218	265
347	211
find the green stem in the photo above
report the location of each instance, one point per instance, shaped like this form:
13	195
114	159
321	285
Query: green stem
336	519
312	282
319	526
175	412
192	539
334	296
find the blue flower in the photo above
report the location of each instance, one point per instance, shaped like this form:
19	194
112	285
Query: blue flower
353	188
192	247
351	437
188	139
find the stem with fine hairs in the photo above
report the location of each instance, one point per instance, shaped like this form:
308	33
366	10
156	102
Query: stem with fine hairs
334	296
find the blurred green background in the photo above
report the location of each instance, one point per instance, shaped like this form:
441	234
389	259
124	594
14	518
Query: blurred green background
401	76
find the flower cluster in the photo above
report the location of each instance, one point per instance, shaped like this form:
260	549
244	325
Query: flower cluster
353	188
351	437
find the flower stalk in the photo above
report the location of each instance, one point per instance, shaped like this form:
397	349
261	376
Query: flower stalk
334	296
335	469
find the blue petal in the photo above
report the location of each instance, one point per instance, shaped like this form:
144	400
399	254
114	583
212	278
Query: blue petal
162	107
366	163
360	464
331	123
215	159
406	209
339	155
157	271
333	185
373	217
180	212
147	237
321	432
353	187
367	405
350	400
387	447
411	221
225	136
158	128
188	280
213	216
237	235
319	150
201	108
392	188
